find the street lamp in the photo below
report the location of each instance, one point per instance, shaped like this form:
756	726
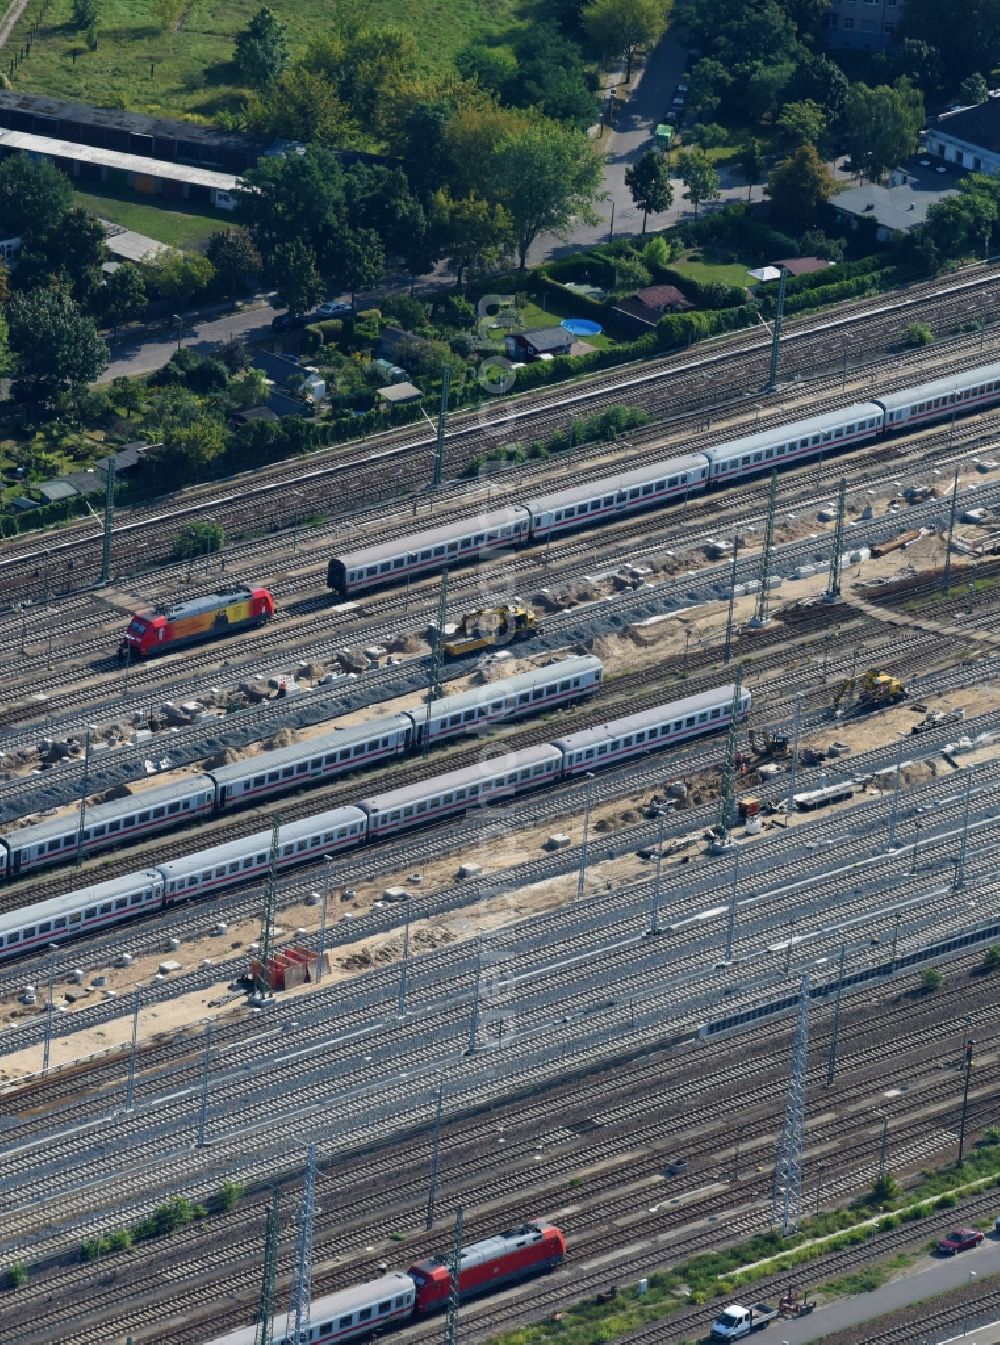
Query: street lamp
965	1098
176	317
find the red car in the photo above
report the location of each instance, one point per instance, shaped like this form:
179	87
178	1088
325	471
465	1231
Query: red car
961	1240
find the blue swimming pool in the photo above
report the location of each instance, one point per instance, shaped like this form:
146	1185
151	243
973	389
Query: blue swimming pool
582	326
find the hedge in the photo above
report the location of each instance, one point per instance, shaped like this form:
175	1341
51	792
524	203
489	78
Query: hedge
683	329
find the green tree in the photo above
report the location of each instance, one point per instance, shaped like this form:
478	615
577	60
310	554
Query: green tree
235	257
302	105
802	123
798	186
882	125
123	295
931	979
295	275
474	232
178	276
752	165
709	83
186	452
288	196
34	196
362	261
261	51
973	89
17	1275
69	253
57	348
966	35
248	389
699	176
544	176
84	14
625	27
648	181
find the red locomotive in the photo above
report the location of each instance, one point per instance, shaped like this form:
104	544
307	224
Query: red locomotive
509	1256
200	619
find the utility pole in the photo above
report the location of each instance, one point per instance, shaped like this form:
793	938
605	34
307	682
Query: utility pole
731	920
262	981
454	1288
327	868
894	815
793	777
831	1064
297	1321
965	1098
109	518
404	969
85	789
727	651
951	534
53	949
779	318
582	875
832	593
763	595
727	792
442	424
786	1198
884	1147
264	1334
437	656
205	1071
661	817
963	848
474	1022
435	1156
130	1084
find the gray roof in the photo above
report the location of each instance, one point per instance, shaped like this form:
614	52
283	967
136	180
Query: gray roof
469	775
332	1306
800	429
574	666
108	812
941	387
76	901
979	125
639	476
898	208
546	338
690	705
113	158
260	842
421	541
307	750
400	392
56	490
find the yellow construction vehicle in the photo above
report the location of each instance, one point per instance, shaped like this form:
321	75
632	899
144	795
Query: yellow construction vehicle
875	689
490	628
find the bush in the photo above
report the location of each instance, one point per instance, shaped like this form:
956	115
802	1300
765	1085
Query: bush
229	1195
310	339
931	979
330	329
17	1275
410	313
710	136
918	334
201	537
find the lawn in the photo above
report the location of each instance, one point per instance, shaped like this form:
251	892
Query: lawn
188	72
178	226
534	316
730	273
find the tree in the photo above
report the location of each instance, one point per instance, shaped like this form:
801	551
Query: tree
991	959
84	14
70	252
289	196
294	274
178	276
235	257
648	181
803	123
302	105
966	35
624	27
473	232
362	261
798	186
57	348
34	196
123	295
698	174
931	979
261	51
709	83
973	89
752	164
882	125
545	176
249	389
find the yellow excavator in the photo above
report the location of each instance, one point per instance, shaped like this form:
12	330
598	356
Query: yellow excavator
491	628
876	689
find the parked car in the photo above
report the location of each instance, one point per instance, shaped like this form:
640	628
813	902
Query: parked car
286	322
960	1240
333	308
682	88
678	102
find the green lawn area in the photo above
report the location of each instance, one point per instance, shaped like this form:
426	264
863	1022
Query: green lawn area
189	72
543	317
178	226
732	273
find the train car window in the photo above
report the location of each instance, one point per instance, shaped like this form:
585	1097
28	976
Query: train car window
628	740
466	543
114	826
452	548
121	904
565	686
287	772
173	807
672	481
302	845
106	908
257	781
716	710
60	922
385	1306
3	939
365	1314
45	927
326	1328
422	806
28	933
94	832
347	1321
160	812
439	551
53	845
647	489
90	912
661	485
703	716
142	817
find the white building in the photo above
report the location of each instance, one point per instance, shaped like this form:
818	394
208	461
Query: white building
969	138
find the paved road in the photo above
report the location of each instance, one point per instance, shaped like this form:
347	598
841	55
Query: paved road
929	1277
140	354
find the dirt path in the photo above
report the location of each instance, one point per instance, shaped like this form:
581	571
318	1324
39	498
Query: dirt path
15	11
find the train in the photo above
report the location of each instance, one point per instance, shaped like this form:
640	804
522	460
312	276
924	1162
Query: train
397	1297
569	680
392	813
361	571
203	618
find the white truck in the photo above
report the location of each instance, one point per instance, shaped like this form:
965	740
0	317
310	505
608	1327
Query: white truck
736	1321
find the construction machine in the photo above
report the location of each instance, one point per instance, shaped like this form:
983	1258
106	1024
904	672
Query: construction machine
875	690
491	628
767	744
